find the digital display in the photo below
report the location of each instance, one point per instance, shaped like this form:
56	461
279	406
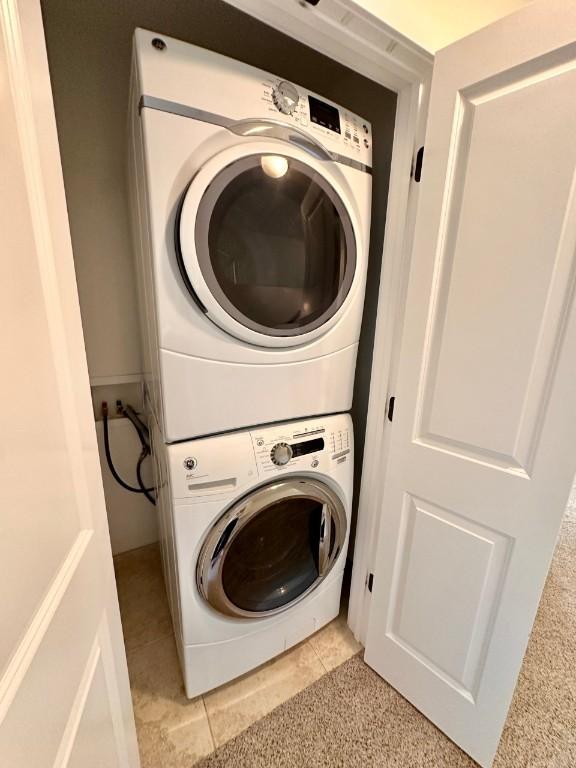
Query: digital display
324	114
310	446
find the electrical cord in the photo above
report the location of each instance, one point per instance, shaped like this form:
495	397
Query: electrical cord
145	452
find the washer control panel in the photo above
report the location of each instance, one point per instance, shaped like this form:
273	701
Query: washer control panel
281	454
300	447
340	440
221	466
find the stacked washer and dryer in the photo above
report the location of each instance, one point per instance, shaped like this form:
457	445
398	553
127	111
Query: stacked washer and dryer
251	213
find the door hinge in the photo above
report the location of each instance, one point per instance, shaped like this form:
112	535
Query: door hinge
391	404
417	165
370	581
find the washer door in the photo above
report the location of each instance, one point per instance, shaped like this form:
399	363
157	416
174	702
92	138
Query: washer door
272	548
266	245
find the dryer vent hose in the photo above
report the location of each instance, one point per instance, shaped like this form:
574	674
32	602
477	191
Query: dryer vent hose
144	436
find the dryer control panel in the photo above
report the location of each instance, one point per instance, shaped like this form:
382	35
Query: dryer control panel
337	128
209	83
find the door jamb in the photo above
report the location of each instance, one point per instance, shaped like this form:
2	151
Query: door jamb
399	228
353	37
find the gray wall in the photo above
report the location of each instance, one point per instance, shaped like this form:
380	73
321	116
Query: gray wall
89	48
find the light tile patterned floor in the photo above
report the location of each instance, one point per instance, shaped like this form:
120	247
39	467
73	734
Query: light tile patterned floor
173	730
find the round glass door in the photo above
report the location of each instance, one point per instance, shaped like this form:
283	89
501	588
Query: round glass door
272	548
275	245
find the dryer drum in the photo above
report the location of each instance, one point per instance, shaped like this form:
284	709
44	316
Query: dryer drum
272	548
275	245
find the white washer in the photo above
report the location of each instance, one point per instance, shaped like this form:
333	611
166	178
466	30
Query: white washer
251	202
254	530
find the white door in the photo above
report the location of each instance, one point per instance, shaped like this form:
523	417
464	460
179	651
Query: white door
64	695
483	451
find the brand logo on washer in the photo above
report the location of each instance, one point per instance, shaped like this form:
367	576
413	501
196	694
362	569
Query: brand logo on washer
190	463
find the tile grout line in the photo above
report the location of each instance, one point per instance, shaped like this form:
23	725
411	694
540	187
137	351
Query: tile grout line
311	644
209	725
139	647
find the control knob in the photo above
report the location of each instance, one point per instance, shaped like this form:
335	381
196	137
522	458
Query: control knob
285	97
281	454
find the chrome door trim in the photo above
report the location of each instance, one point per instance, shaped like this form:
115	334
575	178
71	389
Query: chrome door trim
220	537
292	134
324	548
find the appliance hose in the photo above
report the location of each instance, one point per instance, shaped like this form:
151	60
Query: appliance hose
145	491
145	452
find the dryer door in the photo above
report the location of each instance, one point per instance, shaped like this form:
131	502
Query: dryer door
272	548
266	244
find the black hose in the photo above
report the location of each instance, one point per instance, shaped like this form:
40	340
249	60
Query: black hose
139	426
145	491
112	468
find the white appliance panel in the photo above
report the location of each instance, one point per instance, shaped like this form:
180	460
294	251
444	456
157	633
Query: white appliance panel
201	379
203	478
209	87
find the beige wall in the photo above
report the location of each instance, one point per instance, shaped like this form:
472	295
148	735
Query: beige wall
433	24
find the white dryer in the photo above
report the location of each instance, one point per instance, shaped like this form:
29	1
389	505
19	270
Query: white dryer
251	201
254	532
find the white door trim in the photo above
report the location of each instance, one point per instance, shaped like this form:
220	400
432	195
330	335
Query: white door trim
353	37
348	34
400	216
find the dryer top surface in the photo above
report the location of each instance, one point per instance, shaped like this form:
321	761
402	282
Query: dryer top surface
209	86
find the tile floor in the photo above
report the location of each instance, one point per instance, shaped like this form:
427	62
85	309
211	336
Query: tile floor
174	731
